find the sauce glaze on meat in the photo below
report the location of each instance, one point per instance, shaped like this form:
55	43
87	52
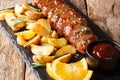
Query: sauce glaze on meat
67	22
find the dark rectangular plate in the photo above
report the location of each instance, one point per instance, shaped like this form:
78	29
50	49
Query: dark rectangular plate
41	73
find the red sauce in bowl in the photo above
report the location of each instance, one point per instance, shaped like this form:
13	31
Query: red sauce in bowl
105	51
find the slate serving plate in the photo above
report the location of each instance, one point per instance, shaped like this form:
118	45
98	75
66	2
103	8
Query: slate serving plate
41	73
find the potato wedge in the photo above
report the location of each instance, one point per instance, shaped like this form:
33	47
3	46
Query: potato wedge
44	40
35	40
4	12
27	7
38	29
7	11
44	23
65	58
42	50
58	43
19	9
67	49
54	34
43	59
27	34
21	41
2	16
31	15
13	23
9	21
21	16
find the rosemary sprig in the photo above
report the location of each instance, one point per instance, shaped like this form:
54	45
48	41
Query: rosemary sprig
36	65
20	20
84	30
76	55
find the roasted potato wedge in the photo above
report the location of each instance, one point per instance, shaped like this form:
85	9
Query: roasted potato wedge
19	9
44	40
27	34
27	7
54	34
42	50
58	43
67	49
21	16
65	58
35	40
43	59
44	23
7	11
13	22
38	29
9	21
31	15
2	16
4	12
21	41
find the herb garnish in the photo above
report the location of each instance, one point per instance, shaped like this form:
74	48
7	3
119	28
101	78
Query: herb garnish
77	33
36	65
82	42
20	20
84	30
76	55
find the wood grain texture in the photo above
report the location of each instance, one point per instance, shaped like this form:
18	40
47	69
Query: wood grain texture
106	14
11	3
12	66
29	75
80	4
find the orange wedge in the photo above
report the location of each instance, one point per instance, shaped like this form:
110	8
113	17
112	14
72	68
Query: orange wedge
69	71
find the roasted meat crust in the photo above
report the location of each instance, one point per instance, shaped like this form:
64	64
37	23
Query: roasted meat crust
67	22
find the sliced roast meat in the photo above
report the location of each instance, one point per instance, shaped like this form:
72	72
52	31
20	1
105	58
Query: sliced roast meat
67	22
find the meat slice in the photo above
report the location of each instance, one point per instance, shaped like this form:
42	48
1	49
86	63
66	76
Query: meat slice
67	22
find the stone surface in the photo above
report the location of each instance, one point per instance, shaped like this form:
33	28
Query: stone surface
106	14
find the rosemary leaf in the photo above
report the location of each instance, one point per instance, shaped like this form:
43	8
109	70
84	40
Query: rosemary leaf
21	20
76	55
36	65
84	30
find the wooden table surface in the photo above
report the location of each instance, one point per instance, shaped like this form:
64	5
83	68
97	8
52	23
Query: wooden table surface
12	66
105	14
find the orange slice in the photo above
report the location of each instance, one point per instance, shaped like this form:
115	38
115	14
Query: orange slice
69	71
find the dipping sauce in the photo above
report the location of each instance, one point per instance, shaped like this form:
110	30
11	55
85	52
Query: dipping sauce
105	51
